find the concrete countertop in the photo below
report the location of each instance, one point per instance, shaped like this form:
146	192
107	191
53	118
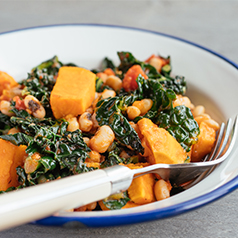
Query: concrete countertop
213	24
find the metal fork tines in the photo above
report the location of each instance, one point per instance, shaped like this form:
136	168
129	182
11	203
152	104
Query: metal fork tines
181	173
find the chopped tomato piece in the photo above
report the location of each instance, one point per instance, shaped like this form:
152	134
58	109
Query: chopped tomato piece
129	82
109	72
157	61
19	103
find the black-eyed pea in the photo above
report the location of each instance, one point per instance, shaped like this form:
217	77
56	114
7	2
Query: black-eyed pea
96	99
114	82
182	100
201	118
102	76
102	139
108	93
157	63
138	104
6	108
32	163
94	156
133	112
86	140
73	123
192	106
162	189
90	110
213	124
85	122
146	105
34	106
94	120
198	110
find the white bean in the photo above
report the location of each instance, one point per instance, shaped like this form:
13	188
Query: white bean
198	110
34	106
85	122
102	139
6	108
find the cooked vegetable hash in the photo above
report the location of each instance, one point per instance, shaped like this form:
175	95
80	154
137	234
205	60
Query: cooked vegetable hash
64	120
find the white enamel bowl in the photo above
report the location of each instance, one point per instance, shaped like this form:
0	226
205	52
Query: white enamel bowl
212	81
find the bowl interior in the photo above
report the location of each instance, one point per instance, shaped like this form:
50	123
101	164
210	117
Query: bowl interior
212	80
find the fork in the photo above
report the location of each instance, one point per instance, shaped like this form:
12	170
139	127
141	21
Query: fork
181	173
32	203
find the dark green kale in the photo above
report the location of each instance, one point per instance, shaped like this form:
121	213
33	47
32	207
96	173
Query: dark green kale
107	63
50	67
63	153
5	124
152	89
177	84
115	204
128	60
109	112
166	69
112	156
100	86
179	122
41	81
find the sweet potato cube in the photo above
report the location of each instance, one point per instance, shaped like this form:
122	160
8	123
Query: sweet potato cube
165	148
19	158
73	92
6	81
141	190
11	156
7	151
206	140
130	204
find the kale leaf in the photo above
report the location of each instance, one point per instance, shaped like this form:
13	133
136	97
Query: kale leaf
50	67
179	122
128	60
62	152
114	204
107	63
177	84
5	124
109	112
152	89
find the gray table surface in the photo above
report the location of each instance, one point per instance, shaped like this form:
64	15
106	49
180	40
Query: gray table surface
213	24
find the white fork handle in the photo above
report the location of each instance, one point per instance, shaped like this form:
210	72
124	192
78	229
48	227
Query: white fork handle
32	203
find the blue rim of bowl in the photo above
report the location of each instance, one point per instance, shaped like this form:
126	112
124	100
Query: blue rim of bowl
137	217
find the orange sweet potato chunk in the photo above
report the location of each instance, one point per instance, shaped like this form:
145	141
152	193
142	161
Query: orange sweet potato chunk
73	92
11	156
141	190
129	81
103	206
6	81
7	151
19	159
164	147
130	204
206	140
